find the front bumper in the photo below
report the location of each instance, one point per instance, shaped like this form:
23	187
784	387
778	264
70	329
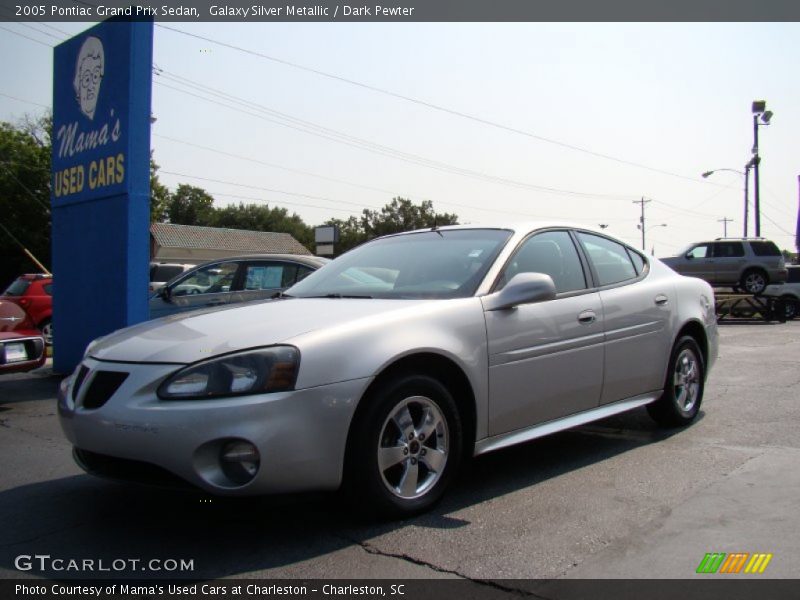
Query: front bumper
300	435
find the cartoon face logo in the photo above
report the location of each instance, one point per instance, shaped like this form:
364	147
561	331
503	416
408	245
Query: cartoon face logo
89	70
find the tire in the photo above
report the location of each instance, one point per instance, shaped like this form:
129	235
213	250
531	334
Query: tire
683	389
46	328
790	305
754	281
404	448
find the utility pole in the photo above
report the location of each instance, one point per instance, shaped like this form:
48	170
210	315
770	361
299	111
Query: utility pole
747	168
756	161
643	201
760	113
725	222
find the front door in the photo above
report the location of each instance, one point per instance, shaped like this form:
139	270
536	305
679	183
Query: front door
545	359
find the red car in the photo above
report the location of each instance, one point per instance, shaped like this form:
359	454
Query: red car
22	346
34	293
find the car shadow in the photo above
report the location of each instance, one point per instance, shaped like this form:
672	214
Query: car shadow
83	517
40	384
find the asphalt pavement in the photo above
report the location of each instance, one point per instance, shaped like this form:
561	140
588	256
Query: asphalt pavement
616	499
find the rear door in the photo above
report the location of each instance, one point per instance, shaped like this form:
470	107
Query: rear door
729	261
636	313
264	278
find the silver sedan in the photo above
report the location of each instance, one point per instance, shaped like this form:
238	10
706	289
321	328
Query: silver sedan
385	369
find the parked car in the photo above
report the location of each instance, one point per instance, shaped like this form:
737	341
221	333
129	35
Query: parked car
232	280
161	273
22	346
384	369
34	293
750	264
789	291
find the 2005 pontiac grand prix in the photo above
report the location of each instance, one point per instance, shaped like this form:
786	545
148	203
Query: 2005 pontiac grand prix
386	368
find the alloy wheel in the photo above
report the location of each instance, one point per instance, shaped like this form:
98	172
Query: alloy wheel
413	447
686	380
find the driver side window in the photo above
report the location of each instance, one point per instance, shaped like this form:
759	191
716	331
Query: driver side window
552	253
703	251
210	279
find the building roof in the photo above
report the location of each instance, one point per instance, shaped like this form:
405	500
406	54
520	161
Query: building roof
168	235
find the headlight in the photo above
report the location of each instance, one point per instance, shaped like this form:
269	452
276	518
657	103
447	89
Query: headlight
260	371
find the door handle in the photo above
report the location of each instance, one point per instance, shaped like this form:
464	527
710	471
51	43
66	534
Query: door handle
586	317
661	300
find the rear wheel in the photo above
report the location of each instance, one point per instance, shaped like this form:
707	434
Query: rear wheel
405	447
790	307
683	389
754	281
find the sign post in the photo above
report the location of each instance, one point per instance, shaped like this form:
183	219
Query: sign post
100	188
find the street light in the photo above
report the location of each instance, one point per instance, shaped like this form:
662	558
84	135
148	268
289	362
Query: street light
639	227
761	117
746	175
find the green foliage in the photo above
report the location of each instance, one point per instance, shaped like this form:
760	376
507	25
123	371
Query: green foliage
159	194
261	217
190	205
24	196
399	215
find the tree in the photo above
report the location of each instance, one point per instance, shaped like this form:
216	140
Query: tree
24	196
159	194
399	215
403	215
260	217
190	205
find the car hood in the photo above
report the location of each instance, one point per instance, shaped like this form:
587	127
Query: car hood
193	336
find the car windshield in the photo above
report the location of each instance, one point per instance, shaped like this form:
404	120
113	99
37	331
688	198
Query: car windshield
427	264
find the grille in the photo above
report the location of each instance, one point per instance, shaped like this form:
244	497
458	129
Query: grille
123	469
102	387
79	381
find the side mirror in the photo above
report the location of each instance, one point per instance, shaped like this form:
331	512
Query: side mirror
165	293
689	256
524	288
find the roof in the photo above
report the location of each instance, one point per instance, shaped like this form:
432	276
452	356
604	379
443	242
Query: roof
169	235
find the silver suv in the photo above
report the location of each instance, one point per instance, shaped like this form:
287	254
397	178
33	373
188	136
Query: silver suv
747	263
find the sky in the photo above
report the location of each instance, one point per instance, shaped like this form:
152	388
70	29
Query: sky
496	122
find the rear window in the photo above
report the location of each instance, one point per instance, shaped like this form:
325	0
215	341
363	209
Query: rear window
765	249
728	249
164	272
18	287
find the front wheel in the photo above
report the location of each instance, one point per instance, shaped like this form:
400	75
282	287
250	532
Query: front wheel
405	447
46	327
683	389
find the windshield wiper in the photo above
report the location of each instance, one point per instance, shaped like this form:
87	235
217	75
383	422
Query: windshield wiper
278	295
339	296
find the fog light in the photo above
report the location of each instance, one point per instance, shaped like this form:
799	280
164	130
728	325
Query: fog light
239	461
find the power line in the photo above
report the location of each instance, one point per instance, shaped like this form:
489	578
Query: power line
346	139
25	36
24	101
433	106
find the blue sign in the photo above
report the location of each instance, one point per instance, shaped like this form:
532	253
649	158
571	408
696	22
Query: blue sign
100	184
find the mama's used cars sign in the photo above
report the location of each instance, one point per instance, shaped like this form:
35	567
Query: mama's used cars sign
100	188
91	125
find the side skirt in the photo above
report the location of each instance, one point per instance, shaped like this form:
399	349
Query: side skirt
536	431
